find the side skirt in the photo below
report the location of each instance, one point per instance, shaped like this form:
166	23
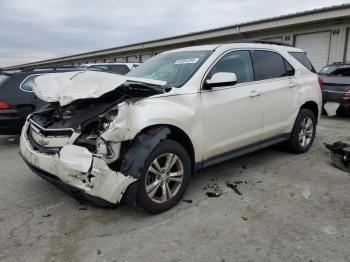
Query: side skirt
242	151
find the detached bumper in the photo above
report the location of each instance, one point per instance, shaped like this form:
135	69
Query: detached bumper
77	171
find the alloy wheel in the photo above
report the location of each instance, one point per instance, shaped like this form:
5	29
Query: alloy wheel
306	132
164	177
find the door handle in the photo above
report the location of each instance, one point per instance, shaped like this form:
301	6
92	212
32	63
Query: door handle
254	94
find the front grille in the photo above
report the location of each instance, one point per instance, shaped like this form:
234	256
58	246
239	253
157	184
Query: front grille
48	141
51	132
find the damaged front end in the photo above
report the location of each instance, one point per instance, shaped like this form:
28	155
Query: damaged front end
81	144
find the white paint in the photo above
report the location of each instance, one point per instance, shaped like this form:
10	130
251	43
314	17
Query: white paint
76	158
331	108
70	86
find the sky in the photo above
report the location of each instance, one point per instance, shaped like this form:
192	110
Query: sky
34	30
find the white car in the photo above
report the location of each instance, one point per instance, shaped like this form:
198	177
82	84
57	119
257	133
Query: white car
117	68
141	136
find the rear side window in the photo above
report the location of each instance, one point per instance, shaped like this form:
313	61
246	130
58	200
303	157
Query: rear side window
302	58
268	64
3	79
27	84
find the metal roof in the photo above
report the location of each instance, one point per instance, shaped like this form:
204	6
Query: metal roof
235	26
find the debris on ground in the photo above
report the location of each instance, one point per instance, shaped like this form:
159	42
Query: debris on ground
244	218
331	108
99	252
82	208
188	201
234	186
340	155
291	194
47	215
215	193
244	166
12	139
306	193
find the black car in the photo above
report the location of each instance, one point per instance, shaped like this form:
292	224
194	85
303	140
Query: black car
336	85
17	99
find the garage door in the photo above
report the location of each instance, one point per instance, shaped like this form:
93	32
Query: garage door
145	57
316	47
348	48
274	39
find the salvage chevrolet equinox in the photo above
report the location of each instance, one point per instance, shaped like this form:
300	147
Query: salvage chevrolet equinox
138	138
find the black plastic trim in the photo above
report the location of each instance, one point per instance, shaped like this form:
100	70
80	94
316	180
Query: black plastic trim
242	151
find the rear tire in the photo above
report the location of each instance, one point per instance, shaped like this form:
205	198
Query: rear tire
303	133
162	186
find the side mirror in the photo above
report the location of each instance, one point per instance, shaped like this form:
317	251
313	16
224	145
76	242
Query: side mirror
221	79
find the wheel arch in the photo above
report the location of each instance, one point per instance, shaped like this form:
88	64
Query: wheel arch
178	135
313	106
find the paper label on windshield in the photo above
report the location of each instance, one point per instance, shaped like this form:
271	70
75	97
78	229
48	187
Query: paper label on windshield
187	61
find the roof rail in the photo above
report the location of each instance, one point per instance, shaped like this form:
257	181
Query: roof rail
268	42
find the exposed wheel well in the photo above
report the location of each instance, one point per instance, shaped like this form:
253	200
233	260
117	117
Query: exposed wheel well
181	137
312	106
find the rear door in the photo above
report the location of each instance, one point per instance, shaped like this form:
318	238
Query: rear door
277	91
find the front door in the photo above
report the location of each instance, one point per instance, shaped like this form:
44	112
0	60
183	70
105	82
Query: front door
232	114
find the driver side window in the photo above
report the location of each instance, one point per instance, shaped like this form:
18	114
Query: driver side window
238	62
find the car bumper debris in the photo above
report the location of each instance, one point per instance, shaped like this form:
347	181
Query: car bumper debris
340	155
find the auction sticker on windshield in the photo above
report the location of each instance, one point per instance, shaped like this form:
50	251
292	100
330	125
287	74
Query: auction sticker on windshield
186	61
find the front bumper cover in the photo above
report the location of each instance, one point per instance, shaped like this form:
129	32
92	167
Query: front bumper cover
97	181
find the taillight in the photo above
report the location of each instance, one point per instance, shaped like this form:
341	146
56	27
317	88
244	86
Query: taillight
320	82
5	106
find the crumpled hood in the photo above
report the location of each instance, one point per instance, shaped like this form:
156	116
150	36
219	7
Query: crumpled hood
70	86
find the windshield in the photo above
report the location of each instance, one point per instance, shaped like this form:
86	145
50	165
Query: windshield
175	68
328	69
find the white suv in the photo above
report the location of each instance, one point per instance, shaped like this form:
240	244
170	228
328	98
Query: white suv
140	137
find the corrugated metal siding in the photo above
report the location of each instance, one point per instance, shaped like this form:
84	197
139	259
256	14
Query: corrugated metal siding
347	49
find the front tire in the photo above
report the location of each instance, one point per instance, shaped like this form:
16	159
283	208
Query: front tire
164	177
303	133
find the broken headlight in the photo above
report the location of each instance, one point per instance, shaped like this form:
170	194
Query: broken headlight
109	150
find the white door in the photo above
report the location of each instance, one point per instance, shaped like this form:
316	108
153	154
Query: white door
232	114
316	46
277	92
347	59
